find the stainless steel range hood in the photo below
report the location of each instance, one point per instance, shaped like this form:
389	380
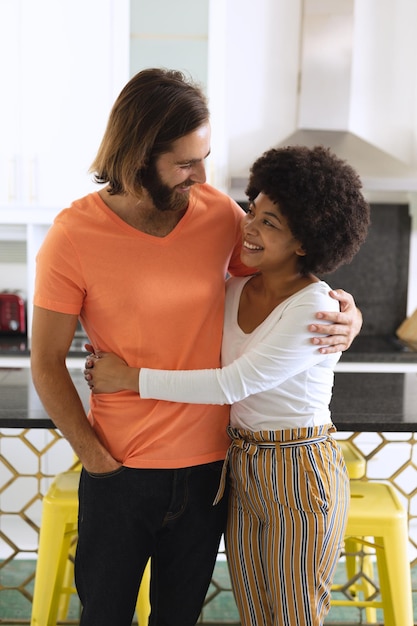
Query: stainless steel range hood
348	95
378	169
334	102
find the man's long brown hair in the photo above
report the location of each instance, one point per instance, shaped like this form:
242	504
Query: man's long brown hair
154	109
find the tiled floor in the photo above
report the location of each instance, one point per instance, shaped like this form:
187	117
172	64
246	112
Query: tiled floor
221	610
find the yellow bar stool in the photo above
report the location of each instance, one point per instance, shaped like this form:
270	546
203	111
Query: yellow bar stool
54	568
377	521
355	461
359	564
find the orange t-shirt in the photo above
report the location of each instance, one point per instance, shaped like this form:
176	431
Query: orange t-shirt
154	301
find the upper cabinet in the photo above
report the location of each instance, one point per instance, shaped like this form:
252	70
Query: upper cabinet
63	64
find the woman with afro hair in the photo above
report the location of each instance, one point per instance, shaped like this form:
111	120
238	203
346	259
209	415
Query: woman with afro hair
287	482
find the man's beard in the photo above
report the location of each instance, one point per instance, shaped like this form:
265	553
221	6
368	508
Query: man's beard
164	198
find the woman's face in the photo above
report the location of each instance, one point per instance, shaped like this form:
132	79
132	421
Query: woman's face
268	243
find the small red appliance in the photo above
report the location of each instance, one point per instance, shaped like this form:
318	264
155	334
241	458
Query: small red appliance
12	314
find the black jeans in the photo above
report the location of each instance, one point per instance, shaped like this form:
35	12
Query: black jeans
130	515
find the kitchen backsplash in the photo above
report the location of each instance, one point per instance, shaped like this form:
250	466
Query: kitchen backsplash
378	275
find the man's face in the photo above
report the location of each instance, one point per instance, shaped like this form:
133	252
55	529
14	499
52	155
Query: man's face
169	178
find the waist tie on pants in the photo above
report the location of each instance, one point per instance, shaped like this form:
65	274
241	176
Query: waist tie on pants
250	442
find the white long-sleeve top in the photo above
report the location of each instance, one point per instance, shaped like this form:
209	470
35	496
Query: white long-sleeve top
273	377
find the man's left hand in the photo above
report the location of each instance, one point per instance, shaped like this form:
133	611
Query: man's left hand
340	327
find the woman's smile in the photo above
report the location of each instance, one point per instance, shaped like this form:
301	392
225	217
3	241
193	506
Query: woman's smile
251	246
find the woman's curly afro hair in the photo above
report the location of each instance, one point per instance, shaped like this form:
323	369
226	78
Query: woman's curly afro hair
320	196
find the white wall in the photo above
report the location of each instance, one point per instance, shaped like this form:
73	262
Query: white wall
259	69
385	73
170	34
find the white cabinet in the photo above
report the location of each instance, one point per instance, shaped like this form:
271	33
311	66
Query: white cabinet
63	63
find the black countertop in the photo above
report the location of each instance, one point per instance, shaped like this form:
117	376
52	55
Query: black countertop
18	345
20	406
379	349
373	402
364	401
365	348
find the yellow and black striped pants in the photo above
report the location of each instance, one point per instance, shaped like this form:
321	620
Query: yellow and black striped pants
288	505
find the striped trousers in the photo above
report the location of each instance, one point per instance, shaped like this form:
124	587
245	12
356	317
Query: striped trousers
288	505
